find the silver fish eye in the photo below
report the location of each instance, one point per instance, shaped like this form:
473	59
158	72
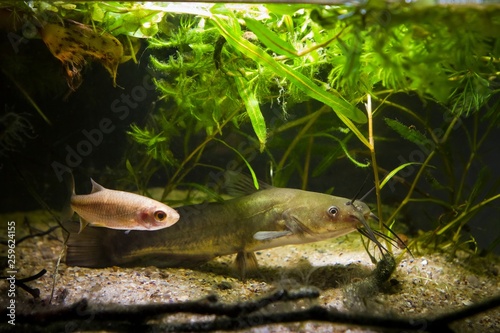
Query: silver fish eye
160	215
333	210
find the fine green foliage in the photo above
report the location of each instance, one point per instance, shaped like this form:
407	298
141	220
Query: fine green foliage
156	144
406	132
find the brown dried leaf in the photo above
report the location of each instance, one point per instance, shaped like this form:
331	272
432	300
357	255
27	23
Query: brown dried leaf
76	43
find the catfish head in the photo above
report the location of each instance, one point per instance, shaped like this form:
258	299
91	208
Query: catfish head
310	216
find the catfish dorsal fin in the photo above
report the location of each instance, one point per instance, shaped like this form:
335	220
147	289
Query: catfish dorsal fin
238	184
96	187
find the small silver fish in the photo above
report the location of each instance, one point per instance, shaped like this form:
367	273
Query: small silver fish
120	210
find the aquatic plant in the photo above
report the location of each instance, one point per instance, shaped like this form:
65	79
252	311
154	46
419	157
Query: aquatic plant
304	86
284	57
235	63
467	193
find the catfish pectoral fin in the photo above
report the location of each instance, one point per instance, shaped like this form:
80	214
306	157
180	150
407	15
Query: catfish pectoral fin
246	262
268	235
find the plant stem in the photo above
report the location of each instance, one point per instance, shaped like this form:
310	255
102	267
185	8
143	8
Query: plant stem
307	163
299	136
473	148
421	170
467	212
177	177
441	203
299	121
374	157
312	48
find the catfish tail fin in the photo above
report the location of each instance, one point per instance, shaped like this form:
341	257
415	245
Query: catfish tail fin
87	248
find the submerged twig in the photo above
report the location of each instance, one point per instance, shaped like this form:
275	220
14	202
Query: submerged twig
319	313
140	313
39	234
35	292
125	318
56	268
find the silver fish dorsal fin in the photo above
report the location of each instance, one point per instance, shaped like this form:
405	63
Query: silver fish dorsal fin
96	187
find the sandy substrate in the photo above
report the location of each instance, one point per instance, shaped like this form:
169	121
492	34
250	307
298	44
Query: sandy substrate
421	287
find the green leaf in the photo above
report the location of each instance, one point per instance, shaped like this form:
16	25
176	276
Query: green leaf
395	171
253	110
129	167
270	39
132	172
407	133
480	182
344	149
254	177
344	110
280	9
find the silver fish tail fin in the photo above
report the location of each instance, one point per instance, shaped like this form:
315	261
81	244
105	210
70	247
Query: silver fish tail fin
68	212
87	248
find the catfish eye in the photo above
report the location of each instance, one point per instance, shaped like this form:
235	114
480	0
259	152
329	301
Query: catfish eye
160	215
333	210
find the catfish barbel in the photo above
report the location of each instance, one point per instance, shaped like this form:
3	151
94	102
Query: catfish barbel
264	219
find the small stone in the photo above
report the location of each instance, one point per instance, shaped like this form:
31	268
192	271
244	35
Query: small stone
224	285
473	281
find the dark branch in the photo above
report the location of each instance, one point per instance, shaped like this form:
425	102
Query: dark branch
233	316
140	313
35	292
39	234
